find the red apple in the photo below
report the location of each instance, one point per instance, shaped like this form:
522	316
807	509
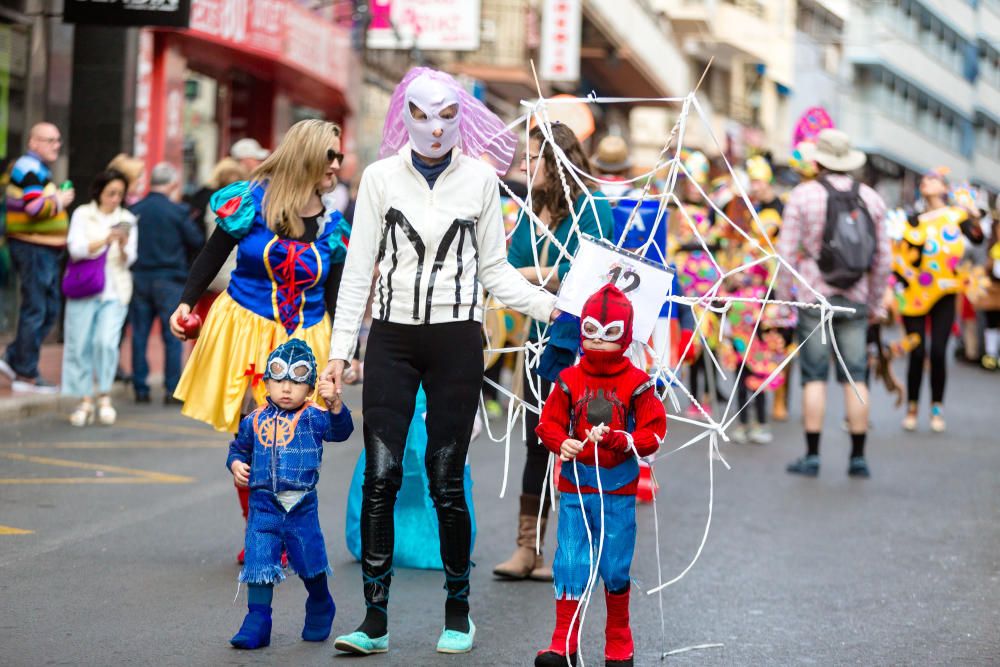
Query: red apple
191	325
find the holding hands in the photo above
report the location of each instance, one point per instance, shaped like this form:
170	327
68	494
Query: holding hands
331	396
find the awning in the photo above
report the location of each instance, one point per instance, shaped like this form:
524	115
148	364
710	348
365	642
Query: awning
629	54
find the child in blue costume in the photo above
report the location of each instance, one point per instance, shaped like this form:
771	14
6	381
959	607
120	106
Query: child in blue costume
277	454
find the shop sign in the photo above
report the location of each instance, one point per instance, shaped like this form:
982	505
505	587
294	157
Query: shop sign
143	102
560	47
279	29
430	25
167	13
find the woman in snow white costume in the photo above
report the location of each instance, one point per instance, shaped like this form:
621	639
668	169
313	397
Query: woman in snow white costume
428	216
291	245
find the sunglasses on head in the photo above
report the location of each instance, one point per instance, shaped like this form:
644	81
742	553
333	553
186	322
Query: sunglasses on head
332	155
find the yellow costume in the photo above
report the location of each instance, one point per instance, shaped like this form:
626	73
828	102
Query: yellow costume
926	259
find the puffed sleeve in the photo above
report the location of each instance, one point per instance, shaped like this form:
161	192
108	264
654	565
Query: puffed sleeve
234	208
339	238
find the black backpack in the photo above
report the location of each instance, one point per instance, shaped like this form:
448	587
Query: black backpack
848	237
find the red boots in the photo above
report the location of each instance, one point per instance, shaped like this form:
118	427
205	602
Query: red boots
555	654
618	647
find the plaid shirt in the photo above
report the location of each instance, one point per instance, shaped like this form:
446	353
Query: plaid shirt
802	237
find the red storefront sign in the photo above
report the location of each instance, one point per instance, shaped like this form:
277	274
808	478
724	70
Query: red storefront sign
560	47
278	30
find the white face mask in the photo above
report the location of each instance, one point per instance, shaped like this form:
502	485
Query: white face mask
431	97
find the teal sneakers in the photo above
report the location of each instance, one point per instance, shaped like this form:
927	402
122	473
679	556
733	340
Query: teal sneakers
359	643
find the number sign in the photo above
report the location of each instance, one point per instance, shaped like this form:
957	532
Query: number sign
647	284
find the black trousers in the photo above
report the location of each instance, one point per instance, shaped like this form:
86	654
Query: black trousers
447	359
942	317
537	457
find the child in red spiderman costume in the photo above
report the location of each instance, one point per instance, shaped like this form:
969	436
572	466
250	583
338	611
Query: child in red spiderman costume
602	415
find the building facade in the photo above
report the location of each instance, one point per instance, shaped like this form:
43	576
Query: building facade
750	45
916	83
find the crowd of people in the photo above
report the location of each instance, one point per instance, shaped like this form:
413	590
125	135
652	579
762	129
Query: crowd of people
263	270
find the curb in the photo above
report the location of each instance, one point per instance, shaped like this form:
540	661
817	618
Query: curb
18	407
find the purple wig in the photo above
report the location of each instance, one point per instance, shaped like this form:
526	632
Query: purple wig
483	134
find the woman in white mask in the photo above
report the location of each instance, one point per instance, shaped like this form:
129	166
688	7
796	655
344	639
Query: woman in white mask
428	215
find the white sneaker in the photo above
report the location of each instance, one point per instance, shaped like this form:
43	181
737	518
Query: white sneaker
6	370
106	413
739	434
38	386
83	414
760	435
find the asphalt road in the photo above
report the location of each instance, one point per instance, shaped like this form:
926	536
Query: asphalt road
134	530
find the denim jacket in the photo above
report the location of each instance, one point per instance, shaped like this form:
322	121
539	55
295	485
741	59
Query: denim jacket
285	447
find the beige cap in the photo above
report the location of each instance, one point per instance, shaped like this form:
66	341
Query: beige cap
612	155
834	152
248	148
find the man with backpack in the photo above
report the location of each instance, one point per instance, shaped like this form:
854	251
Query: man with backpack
833	234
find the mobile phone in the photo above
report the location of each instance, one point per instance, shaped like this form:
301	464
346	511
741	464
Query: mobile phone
123	226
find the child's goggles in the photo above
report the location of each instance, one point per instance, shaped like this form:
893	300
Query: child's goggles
298	371
594	330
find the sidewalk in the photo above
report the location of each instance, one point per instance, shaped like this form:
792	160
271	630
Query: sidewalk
15	406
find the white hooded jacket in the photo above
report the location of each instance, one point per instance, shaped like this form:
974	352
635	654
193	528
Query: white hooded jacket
433	249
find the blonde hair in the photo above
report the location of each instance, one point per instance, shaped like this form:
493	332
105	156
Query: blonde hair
292	172
226	171
131	167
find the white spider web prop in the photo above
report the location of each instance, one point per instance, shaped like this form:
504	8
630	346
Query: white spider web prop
713	300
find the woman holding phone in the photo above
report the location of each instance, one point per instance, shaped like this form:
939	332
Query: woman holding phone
102	246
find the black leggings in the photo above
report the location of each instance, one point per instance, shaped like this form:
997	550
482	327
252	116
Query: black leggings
743	393
942	317
537	459
447	359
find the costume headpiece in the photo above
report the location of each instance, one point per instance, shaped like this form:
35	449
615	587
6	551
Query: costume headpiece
479	132
940	173
803	160
292	360
759	169
696	165
607	315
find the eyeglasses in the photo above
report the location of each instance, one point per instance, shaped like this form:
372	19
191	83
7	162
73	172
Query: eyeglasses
332	155
50	140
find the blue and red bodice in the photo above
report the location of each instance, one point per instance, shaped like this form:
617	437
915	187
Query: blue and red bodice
278	278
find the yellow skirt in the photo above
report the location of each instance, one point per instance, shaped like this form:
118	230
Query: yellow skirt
230	356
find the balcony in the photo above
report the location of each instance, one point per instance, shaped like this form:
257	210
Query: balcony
688	16
988	20
878	42
986	171
988	97
873	131
642	42
958	14
735	29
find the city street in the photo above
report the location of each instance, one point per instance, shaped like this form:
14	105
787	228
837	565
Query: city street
118	545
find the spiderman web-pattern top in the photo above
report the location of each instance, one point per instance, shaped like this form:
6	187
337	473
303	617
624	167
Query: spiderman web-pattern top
710	301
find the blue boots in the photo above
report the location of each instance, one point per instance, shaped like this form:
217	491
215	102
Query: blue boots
256	629
319	619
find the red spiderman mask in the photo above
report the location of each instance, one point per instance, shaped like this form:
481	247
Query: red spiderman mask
607	315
